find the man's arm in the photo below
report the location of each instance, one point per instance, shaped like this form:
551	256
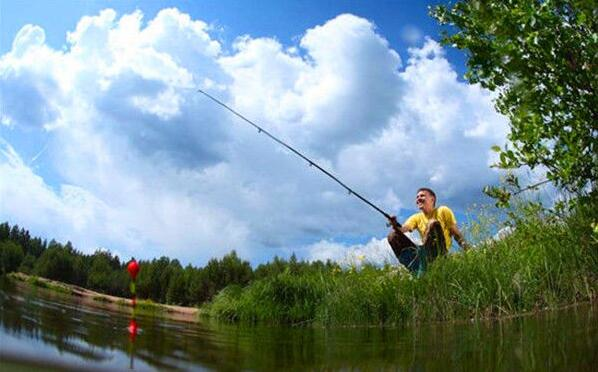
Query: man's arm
454	230
395	225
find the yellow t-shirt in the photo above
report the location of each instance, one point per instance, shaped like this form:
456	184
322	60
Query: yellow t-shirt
442	214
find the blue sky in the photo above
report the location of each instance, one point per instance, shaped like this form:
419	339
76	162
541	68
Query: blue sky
104	141
285	20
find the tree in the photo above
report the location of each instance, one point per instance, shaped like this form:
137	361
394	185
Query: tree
272	268
100	272
540	56
177	288
199	287
56	263
11	255
4	231
234	270
36	247
154	278
27	264
14	233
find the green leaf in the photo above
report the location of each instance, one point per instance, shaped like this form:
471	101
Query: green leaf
539	56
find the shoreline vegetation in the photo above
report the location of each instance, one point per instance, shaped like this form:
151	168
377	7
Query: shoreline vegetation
186	313
102	300
548	260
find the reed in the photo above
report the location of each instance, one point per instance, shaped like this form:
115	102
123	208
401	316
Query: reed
546	262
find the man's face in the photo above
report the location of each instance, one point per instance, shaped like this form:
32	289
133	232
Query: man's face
424	201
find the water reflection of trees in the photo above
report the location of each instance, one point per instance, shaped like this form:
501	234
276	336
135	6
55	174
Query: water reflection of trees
92	334
561	340
44	321
546	341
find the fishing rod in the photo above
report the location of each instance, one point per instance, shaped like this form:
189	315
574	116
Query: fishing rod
311	163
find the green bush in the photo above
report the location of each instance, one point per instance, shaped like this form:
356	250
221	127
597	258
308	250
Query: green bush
282	298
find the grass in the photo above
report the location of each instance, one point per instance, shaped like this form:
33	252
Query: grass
150	307
100	298
37	282
546	262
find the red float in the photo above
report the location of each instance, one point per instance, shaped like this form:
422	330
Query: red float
133	268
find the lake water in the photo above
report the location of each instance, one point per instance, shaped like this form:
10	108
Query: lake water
41	328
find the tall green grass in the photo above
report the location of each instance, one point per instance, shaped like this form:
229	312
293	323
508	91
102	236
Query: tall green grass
546	262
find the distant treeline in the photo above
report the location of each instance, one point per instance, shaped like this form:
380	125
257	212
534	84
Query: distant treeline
162	280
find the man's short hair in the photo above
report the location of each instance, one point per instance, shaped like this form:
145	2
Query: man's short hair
429	191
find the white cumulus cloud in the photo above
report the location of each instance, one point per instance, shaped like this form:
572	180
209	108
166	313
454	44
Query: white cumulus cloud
138	162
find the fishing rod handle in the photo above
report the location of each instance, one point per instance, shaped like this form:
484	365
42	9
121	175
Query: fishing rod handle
392	222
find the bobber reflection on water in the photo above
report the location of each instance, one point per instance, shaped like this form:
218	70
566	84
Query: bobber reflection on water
133	269
132	328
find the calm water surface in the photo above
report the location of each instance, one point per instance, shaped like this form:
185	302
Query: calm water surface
42	328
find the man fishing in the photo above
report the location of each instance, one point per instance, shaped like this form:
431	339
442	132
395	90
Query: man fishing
436	227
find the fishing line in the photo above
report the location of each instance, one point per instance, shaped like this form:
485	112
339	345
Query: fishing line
309	161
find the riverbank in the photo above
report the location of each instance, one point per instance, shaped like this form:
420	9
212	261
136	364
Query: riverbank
101	300
547	262
193	314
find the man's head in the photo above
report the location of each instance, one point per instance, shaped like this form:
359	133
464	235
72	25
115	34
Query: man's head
425	199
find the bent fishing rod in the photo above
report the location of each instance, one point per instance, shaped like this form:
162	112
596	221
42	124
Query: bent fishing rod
392	220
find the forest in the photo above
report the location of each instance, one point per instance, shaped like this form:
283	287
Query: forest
162	280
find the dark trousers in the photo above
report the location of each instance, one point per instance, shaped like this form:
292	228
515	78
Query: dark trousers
417	258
